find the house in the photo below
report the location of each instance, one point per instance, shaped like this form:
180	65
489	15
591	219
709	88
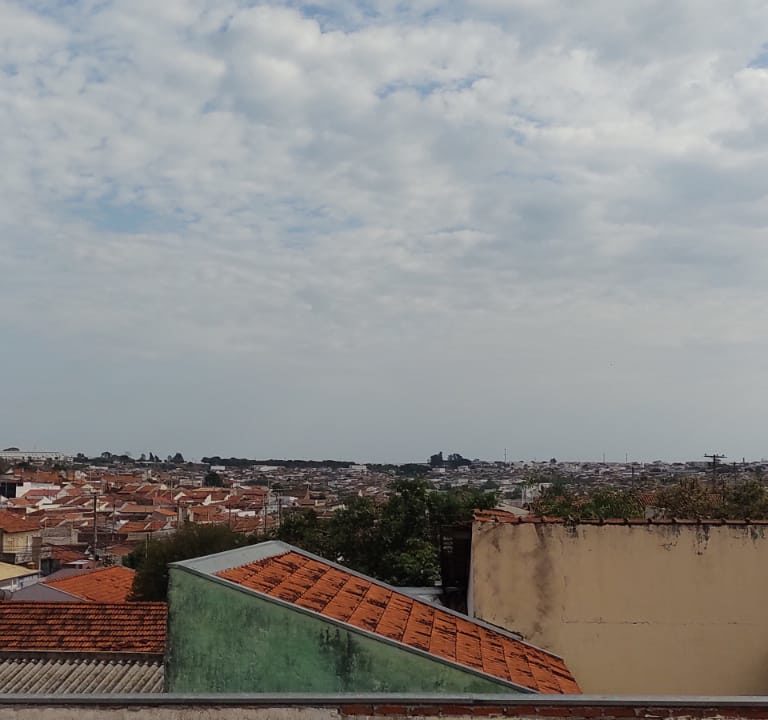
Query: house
65	648
273	618
107	584
20	538
15	577
681	603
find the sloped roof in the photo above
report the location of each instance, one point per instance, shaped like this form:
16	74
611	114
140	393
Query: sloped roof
109	585
13	523
311	583
63	675
83	627
9	571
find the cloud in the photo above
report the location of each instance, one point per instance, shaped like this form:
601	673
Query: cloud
384	200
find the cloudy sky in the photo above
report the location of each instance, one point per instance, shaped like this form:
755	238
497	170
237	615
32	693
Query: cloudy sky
376	229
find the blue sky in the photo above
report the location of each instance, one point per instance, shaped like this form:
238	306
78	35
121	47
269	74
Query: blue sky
377	229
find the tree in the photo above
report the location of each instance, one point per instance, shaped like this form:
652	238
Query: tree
747	500
304	529
213	479
353	535
398	542
559	500
151	559
436	460
455	460
690	498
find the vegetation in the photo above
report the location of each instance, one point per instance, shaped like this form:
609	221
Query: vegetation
234	462
747	499
559	500
691	498
212	479
397	541
151	559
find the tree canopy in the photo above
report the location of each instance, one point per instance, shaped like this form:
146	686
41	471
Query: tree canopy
397	541
151	559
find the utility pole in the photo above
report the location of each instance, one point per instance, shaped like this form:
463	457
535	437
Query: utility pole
95	526
715	457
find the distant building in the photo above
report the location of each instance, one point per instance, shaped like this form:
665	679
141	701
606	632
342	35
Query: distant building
33	456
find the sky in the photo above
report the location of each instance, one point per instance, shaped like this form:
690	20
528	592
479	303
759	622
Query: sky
373	230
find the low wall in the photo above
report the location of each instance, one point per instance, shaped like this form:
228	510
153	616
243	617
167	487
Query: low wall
210	707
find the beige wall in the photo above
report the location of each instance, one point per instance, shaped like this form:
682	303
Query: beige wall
18	542
651	609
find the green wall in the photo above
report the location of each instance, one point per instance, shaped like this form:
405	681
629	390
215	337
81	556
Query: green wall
223	640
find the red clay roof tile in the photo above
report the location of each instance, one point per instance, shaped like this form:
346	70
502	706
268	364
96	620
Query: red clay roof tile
368	605
108	585
13	523
83	627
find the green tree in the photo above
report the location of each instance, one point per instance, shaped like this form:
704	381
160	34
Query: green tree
304	529
747	500
212	479
690	498
556	500
354	535
605	503
151	559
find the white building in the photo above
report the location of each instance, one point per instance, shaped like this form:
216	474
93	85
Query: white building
33	456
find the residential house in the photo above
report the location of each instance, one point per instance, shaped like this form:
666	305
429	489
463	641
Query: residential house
20	538
106	584
66	648
15	577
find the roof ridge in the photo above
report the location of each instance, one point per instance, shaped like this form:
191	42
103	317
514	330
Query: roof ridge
393	588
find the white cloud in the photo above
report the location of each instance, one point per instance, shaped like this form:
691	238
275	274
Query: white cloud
303	195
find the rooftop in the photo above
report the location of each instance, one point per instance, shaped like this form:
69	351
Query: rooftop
13	523
9	572
69	675
83	627
285	573
106	585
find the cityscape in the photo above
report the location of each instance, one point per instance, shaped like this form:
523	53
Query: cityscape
382	360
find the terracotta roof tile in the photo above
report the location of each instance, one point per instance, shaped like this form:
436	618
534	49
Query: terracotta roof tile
13	523
366	604
83	627
109	585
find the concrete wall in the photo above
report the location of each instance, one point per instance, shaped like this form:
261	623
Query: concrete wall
223	640
651	609
360	708
18	542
